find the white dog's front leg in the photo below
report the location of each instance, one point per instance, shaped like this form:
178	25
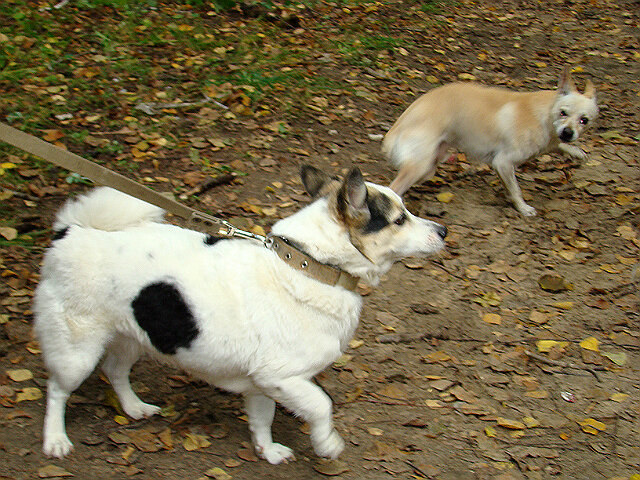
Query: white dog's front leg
572	150
307	400
507	173
261	410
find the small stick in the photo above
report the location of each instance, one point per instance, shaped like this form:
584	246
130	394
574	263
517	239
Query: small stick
561	364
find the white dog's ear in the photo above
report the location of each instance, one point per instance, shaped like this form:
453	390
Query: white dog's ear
313	179
590	90
565	83
351	200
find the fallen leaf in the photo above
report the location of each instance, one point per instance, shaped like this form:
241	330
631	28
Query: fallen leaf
619	397
121	420
218	474
20	375
511	424
434	403
619	359
52	471
445	197
377	432
329	467
590	343
553	283
29	393
194	441
592	426
544	346
489	431
492	318
9	233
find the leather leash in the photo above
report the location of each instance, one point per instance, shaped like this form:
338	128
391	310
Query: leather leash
196	219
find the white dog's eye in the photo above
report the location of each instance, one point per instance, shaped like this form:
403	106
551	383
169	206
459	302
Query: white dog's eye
563	113
401	219
584	120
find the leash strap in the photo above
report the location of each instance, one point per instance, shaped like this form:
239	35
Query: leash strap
103	176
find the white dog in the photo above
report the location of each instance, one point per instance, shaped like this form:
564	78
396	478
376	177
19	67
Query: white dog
493	125
117	281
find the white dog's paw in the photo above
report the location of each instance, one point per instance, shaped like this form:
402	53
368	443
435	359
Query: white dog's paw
140	410
276	453
527	210
330	447
57	445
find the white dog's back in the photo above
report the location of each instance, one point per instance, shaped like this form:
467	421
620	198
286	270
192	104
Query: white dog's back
106	209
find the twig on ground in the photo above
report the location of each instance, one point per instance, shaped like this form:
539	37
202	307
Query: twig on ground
558	363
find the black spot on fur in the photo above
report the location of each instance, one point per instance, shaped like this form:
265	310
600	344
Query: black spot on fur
161	311
150	256
379	206
60	234
211	240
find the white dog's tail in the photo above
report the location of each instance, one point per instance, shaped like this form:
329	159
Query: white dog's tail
106	209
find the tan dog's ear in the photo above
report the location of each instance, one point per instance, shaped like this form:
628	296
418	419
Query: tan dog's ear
565	83
589	90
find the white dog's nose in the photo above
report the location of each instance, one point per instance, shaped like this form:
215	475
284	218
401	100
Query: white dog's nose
441	230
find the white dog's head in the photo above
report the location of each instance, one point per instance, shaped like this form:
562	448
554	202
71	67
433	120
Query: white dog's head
573	111
359	226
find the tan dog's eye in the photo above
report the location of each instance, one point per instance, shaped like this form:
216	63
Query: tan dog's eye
563	113
584	120
401	219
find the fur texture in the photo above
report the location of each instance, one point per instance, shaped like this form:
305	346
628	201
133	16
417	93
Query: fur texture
119	282
492	125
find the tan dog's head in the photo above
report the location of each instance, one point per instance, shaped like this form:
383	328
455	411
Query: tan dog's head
573	111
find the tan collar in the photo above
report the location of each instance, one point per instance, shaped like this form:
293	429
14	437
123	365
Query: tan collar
301	261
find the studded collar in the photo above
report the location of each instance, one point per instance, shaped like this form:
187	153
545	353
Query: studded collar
301	261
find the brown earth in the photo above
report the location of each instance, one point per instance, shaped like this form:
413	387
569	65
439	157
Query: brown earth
433	386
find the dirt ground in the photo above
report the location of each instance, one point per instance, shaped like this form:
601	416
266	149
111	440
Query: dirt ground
446	377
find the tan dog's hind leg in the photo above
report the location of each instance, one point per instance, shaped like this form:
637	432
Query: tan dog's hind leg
422	170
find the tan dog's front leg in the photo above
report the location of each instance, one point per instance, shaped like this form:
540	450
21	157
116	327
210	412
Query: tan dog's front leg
572	150
507	173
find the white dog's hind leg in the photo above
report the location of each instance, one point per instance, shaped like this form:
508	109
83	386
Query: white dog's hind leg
307	400
261	410
507	173
121	355
68	369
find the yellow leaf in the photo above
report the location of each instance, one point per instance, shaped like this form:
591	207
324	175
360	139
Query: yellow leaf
623	200
563	305
490	431
185	28
545	346
512	424
29	393
432	79
434	403
121	420
20	375
619	397
577	69
530	422
193	441
492	318
7	165
445	197
377	432
592	426
218	474
356	343
590	343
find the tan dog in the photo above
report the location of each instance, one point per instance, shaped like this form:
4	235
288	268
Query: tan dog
494	125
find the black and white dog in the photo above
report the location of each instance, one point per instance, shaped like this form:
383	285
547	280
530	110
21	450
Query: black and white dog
117	281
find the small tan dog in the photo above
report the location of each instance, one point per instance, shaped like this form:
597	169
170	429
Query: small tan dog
494	125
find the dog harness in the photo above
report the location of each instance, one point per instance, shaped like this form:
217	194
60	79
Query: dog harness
196	219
